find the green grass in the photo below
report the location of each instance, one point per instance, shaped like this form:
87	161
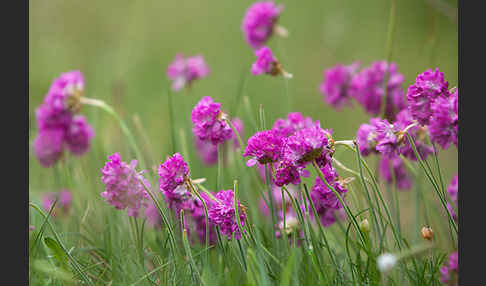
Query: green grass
123	49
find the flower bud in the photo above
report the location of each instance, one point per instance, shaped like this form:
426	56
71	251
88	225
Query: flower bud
427	233
364	226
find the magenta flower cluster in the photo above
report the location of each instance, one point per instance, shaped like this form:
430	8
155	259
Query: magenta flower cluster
173	176
265	62
259	22
433	105
59	127
449	272
208	122
63	205
222	213
124	186
184	71
367	87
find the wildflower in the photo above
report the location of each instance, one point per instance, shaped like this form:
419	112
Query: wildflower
183	71
443	123
59	127
288	172
124	188
267	63
294	121
394	163
427	233
428	86
264	147
453	190
222	213
307	144
259	22
322	196
335	86
418	133
208	122
367	88
63	205
366	137
386	262
174	173
386	137
48	146
450	271
78	136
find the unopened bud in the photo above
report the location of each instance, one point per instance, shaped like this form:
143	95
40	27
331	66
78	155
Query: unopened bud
364	226
427	233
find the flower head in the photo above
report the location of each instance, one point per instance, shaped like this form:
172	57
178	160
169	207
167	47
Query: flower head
403	121
264	147
443	123
173	174
79	135
450	271
48	146
294	121
124	187
368	89
321	195
394	163
183	71
306	144
259	22
222	213
63	205
288	172
335	86
428	86
208	122
366	137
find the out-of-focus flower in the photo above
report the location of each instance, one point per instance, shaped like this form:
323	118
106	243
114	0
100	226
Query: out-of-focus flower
259	22
184	71
63	205
48	146
394	163
335	87
222	213
443	123
449	273
124	187
267	63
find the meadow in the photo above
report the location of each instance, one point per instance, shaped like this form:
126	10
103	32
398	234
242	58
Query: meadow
123	50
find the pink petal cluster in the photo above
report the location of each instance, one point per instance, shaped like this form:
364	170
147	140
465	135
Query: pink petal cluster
63	205
173	174
444	121
59	128
222	213
428	86
336	84
449	273
368	88
183	71
123	185
259	22
264	147
418	133
265	62
294	121
208	122
306	144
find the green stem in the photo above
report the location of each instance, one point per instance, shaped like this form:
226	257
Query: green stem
108	109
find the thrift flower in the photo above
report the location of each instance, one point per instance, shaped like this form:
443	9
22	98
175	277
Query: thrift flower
450	271
78	135
124	189
387	138
173	174
288	172
263	147
48	146
259	22
222	213
443	123
335	86
322	196
184	71
63	205
418	133
208	122
366	137
267	63
306	144
294	121
428	86
367	88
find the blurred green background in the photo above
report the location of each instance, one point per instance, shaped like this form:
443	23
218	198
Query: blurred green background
124	47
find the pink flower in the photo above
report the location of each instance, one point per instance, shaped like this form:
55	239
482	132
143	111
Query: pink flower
183	71
259	22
